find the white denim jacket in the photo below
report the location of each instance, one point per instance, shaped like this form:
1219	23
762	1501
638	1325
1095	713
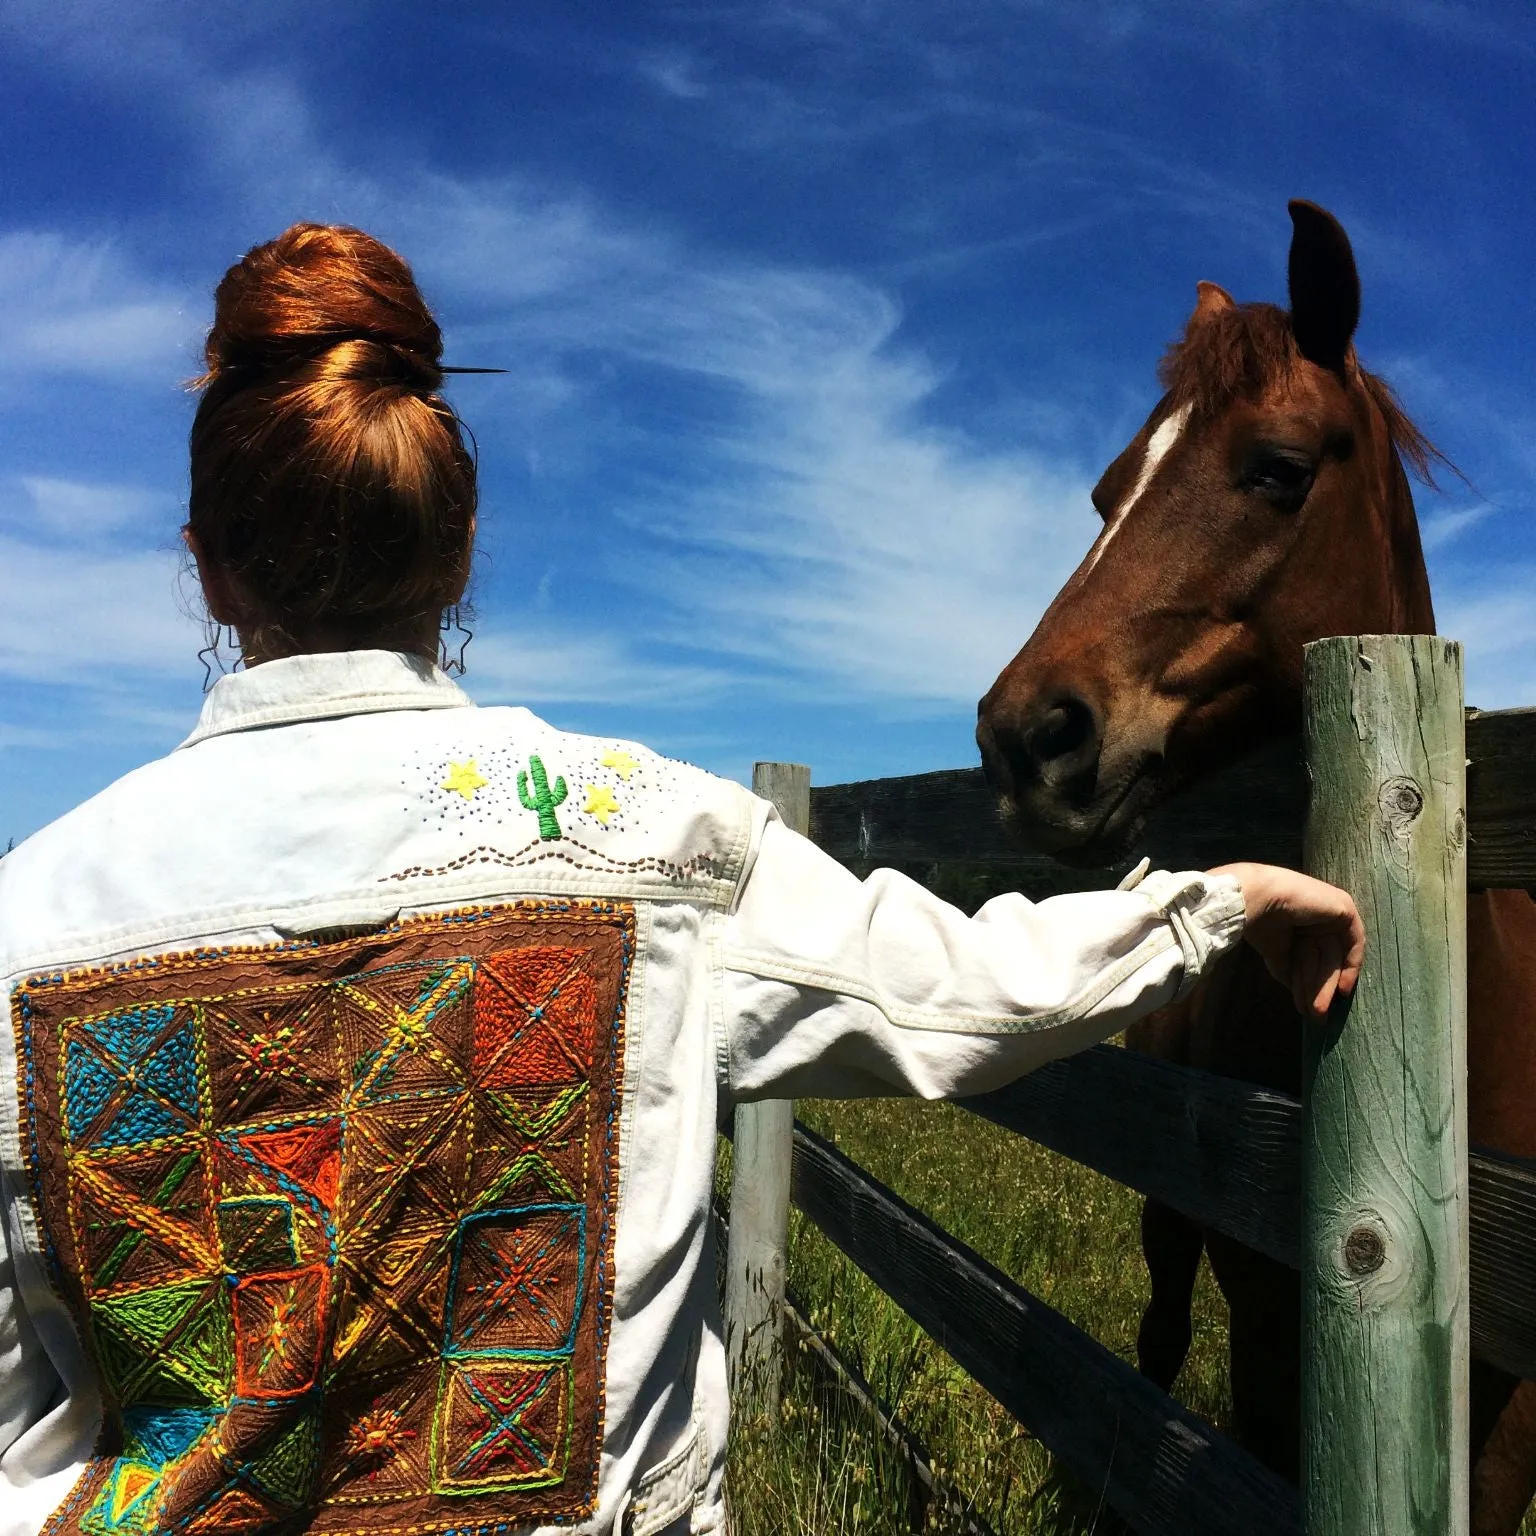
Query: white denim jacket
369	1053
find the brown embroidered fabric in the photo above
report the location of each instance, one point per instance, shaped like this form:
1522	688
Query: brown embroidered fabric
335	1221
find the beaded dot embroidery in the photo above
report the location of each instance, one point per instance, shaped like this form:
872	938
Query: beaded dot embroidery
335	1221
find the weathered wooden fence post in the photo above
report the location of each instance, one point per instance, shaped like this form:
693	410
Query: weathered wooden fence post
763	1144
1384	1258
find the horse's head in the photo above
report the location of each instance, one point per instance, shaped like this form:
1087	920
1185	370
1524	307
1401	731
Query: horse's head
1263	504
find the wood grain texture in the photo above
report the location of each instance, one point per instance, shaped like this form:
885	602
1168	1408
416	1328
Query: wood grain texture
1164	1469
1501	797
1502	1242
760	1172
1252	810
1228	1155
1385	1324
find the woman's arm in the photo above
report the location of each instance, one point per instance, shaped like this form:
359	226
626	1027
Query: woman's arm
835	987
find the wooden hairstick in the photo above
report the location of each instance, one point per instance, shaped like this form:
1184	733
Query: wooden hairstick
472	370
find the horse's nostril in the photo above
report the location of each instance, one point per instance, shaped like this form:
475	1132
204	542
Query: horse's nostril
1063	730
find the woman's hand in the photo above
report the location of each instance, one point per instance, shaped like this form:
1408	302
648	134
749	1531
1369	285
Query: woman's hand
1309	934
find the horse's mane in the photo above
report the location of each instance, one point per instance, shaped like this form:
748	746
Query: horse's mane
1234	353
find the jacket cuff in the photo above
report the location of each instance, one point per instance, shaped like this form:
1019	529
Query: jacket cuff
1205	913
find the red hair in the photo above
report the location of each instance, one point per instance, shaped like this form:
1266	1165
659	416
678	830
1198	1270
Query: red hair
330	481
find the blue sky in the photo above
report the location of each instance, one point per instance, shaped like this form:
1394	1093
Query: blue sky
822	318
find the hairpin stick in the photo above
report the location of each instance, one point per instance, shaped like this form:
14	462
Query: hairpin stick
472	370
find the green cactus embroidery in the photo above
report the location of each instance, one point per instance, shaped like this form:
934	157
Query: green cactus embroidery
544	798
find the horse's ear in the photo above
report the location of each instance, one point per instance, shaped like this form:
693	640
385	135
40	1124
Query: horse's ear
1325	287
1211	299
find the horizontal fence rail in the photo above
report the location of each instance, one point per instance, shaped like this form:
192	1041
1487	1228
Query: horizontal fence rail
1228	1155
1163	1468
1224	1153
1251	810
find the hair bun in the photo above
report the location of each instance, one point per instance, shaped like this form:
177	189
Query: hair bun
322	289
329	481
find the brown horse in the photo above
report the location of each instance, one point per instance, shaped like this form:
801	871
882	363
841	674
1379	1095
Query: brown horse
1263	504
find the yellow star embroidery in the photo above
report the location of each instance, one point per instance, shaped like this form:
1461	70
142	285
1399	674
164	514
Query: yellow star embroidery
463	778
601	803
621	763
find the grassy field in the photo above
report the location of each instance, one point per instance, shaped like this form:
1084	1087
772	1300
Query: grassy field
1069	1235
1064	1232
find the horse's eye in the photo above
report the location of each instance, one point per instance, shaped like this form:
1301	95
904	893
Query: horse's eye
1282	478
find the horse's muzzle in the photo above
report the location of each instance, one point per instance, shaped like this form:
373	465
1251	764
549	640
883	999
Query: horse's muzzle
1062	795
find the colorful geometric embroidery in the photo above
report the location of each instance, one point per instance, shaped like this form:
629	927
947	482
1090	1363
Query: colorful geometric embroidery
336	1222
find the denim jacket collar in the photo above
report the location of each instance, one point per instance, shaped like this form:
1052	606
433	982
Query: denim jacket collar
321	687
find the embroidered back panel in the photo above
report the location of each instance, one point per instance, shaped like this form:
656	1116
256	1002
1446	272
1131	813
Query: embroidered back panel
335	1221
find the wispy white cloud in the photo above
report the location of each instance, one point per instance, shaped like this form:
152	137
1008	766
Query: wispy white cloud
1443	526
79	306
24	737
69	615
846	543
54	509
815	528
675	73
561	663
1491	611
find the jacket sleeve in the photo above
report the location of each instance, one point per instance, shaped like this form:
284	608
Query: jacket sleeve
832	987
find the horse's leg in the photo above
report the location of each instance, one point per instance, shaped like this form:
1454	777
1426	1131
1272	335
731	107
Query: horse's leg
1504	1475
1264	1303
1171	1244
1490	1392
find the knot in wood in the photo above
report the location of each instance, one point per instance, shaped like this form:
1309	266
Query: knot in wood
1364	1251
1400	800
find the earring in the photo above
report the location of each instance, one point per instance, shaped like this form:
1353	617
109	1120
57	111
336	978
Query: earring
220	638
453	642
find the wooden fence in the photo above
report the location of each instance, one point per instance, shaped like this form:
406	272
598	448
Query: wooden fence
1224	1153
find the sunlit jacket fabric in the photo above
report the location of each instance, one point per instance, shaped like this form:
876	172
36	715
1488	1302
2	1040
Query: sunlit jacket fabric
365	1061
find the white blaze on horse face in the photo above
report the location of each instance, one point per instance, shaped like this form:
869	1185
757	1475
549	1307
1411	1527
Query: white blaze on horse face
1158	446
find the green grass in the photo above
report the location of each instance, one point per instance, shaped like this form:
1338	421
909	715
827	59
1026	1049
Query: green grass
1066	1233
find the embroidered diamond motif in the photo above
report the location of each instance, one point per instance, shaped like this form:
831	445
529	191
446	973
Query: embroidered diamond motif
517	1280
304	1158
382	1442
125	1505
166	1344
336	1222
143	1216
88	1084
288	1470
503	1426
278	1337
533	1019
159	1435
132	1078
406	1030
271	1056
256	1233
232	1513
